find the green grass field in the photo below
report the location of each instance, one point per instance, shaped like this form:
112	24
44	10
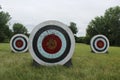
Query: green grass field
86	66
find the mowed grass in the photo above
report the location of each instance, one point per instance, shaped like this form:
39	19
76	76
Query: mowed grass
86	66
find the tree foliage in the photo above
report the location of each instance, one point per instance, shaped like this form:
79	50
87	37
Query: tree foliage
73	27
19	29
108	25
80	39
5	32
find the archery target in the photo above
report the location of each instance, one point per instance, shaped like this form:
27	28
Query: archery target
99	44
51	43
19	43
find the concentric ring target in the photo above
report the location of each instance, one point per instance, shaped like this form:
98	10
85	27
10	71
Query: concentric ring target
99	44
19	43
51	43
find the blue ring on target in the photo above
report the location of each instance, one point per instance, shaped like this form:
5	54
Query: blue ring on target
46	54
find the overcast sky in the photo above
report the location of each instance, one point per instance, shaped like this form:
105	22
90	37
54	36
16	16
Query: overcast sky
32	12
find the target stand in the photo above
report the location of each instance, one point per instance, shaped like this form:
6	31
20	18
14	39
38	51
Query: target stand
51	43
99	44
19	43
67	64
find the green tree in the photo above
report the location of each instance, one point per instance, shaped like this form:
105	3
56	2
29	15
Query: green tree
108	25
5	32
19	29
73	27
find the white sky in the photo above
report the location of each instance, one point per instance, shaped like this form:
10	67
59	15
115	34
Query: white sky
32	12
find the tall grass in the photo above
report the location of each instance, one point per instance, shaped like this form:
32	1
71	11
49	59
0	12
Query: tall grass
86	66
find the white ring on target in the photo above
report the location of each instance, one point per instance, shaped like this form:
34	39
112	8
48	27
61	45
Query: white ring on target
102	41
63	26
14	43
44	53
92	41
11	42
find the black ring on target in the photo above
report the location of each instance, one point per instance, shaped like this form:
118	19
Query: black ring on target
24	40
98	49
53	27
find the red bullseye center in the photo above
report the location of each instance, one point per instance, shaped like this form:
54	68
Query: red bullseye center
100	44
51	44
19	43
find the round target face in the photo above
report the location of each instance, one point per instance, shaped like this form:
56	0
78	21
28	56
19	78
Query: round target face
19	43
99	44
51	43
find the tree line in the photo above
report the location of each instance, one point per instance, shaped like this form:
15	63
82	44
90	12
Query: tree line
108	25
5	32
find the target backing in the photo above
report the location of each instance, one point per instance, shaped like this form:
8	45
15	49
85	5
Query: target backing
99	44
51	43
19	43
